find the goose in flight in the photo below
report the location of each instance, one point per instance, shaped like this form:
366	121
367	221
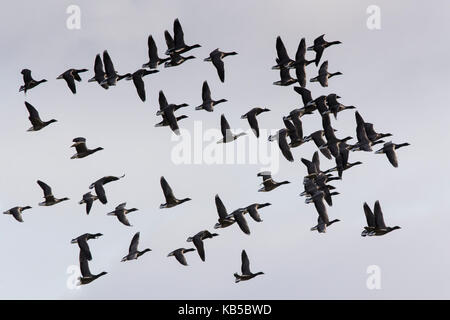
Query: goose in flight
16	212
225	220
133	252
245	269
238	216
207	102
216	57
319	46
283	60
198	238
111	75
165	106
179	255
268	183
82	151
70	76
171	201
285	78
35	119
389	150
375	222
364	143
48	195
251	117
28	81
228	136
319	141
301	62
83	245
372	134
324	75
98	186
120	212
86	275
154	59
253	210
335	106
178	45
88	199
99	73
176	59
138	81
321	226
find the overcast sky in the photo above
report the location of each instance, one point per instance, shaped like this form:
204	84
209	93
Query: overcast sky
397	77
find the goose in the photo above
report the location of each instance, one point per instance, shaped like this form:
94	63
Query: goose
138	81
268	183
295	131
120	212
70	76
238	216
225	220
164	105
228	136
375	222
50	200
343	167
284	146
35	119
171	201
389	150
321	226
313	167
165	122
207	103
86	275
320	104
176	59
133	252
99	73
198	238
179	46
332	141
317	137
286	79
253	210
324	75
372	134
294	134
308	102
98	186
216	57
364	143
317	198
29	82
334	106
251	117
245	269
321	180
88	199
16	212
300	63
319	46
298	113
111	75
179	255
283	59
81	148
169	119
83	245
153	59
169	41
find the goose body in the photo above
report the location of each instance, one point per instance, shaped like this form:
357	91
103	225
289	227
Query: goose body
16	212
88	199
139	82
82	151
375	221
389	149
268	183
120	212
198	238
207	102
225	220
98	186
177	45
324	75
154	59
319	46
133	252
99	73
28	81
70	76
228	136
171	200
251	118
35	119
245	269
50	200
216	57
179	255
82	242
285	78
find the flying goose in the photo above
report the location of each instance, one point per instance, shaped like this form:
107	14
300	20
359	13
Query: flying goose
283	59
29	82
70	76
171	201
99	73
317	198
313	167
176	59
81	148
245	269
179	46
251	117
319	45
138	81
165	106
207	102
111	75
35	119
216	57
133	252
284	146
286	79
321	226
83	245
364	143
319	141
324	75
253	210
375	222
48	195
166	123
372	134
88	199
300	63
179	255
154	59
332	141
120	212
224	219
238	216
268	183
334	106
98	186
16	212
86	275
228	136
198	241
389	150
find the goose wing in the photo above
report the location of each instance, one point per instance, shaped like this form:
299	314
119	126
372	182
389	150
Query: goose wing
239	217
206	92
122	218
162	100
251	117
245	267
221	210
17	214
300	73
69	78
109	66
84	265
218	63
301	51
369	215
167	190
392	155
323	70
178	34
316	161
100	192
305	93
284	147
27	76
225	128
46	188
169	40
253	212
379	221
98	67
84	247
134	243
180	257
34	114
198	242
140	87
152	49
172	120
281	50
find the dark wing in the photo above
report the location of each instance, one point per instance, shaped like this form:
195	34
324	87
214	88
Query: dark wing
172	120
284	73
140	88
98	66
224	126
254	213
134	243
81	147
239	217
70	81
284	147
320	207
200	247
100	192
300	73
369	215
379	221
89	205
319	52
281	50
169	40
206	92
109	66
245	268
162	100
218	63
17	215
178	34
298	126
152	49
392	156
84	265
26	76
323	70
167	190
251	117
122	218
34	114
46	188
221	210
180	257
316	161
301	50
82	243
305	93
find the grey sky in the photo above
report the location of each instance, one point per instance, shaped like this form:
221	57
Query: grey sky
395	76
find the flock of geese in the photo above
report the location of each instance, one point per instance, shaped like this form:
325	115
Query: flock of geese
316	187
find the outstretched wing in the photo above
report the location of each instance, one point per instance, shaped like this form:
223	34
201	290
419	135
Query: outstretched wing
245	268
134	243
221	210
178	34
379	221
206	92
369	215
218	63
167	190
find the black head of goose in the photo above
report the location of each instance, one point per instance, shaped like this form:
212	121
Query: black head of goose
245	269
16	212
70	76
28	81
82	151
319	46
35	119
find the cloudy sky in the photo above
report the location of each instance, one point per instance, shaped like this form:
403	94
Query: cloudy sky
396	76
